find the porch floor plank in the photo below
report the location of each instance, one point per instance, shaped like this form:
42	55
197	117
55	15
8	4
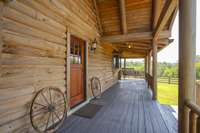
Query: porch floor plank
128	109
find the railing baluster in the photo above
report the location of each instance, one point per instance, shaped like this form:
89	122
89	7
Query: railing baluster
194	116
191	122
198	125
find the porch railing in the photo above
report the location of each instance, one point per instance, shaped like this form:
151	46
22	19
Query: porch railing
131	73
168	80
194	117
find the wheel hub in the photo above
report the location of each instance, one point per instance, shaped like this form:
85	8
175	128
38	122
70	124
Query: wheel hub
51	108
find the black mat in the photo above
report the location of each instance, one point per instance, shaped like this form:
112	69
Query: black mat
88	111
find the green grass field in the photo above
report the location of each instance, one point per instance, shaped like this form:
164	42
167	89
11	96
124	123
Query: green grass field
168	93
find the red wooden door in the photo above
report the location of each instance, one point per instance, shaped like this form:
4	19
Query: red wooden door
77	92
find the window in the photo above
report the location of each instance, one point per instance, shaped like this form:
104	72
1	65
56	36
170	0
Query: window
76	51
116	60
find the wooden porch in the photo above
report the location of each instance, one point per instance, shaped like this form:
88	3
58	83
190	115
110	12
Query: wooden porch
38	50
128	108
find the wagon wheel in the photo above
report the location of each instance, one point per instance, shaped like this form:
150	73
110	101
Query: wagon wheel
48	110
96	87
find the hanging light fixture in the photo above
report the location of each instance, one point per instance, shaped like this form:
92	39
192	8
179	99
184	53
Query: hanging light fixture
129	45
93	45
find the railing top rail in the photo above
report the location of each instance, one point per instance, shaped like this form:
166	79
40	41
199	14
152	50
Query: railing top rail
193	106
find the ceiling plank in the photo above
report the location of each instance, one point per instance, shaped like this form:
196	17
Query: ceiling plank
133	37
164	17
123	16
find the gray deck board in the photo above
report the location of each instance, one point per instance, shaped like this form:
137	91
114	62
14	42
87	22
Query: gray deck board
128	108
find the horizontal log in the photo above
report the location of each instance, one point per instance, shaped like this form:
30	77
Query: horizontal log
24	19
9	59
14	43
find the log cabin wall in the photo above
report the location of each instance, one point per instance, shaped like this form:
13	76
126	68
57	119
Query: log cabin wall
100	65
33	53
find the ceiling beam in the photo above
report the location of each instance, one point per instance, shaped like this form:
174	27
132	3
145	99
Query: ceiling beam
133	37
123	16
165	41
164	17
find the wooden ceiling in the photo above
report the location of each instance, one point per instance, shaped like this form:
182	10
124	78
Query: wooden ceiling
130	25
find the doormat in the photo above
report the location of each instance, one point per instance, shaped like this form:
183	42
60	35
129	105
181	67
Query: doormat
88	111
98	101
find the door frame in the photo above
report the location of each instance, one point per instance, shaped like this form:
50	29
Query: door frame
84	71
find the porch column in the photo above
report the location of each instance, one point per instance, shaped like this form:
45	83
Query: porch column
149	63
187	51
145	64
124	62
154	69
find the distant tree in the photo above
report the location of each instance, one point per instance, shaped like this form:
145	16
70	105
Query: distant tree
198	70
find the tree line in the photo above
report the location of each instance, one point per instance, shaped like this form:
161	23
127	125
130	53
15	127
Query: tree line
165	69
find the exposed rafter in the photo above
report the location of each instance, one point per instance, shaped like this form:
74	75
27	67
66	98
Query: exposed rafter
164	17
134	37
98	17
157	5
123	16
173	18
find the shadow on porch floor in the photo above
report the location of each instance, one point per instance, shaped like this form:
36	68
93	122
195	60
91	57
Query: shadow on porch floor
128	108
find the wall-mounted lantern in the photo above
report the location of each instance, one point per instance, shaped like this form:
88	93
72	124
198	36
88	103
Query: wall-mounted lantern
93	45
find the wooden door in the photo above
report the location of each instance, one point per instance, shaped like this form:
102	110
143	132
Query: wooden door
77	92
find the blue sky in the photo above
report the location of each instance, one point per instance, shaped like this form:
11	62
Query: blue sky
170	53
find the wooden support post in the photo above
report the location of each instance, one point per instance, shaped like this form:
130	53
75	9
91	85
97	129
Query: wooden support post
187	48
154	69
149	63
68	67
125	63
124	67
145	65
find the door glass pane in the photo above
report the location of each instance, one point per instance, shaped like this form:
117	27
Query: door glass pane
76	51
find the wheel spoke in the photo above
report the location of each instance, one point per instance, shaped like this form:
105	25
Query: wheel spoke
59	104
57	116
40	104
35	114
44	97
53	121
47	121
50	96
